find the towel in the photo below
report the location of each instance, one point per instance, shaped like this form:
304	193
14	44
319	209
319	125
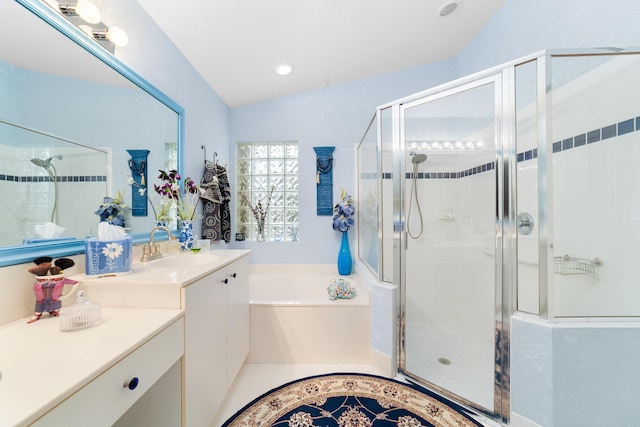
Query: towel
216	218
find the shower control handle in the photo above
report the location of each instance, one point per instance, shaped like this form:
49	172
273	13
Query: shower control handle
524	223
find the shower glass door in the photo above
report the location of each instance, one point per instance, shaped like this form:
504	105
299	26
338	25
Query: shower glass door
451	256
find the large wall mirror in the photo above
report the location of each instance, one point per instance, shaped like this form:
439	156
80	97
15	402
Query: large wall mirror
69	111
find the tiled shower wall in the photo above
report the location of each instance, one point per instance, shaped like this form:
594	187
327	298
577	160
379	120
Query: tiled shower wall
28	192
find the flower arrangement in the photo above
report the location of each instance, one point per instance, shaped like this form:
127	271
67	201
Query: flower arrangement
343	213
112	210
259	212
186	200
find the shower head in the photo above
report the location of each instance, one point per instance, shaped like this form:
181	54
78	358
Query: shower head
416	159
40	162
45	164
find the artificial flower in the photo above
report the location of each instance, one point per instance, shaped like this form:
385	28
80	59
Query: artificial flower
112	210
185	200
343	213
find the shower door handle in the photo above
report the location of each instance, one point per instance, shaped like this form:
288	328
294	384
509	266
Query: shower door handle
524	223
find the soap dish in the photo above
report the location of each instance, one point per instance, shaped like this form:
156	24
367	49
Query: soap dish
82	314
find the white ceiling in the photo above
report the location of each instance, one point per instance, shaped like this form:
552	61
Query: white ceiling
235	45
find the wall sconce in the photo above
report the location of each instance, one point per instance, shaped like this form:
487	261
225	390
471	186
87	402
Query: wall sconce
324	180
138	166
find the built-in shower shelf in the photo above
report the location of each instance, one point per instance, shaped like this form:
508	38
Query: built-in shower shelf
567	265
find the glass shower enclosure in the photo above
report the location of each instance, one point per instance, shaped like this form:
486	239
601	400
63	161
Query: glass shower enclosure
511	190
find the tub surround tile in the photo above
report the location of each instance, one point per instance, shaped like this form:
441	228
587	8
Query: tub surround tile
561	370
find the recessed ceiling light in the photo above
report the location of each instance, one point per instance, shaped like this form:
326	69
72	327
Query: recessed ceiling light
448	7
284	69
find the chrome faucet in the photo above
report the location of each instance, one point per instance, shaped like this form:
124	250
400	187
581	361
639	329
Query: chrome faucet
151	250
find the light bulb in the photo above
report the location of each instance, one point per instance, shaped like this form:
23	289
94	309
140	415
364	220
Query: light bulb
88	11
118	36
458	144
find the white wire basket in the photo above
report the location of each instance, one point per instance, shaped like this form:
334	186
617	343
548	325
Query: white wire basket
567	265
81	315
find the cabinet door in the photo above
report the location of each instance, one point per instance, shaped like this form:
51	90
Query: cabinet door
237	316
104	400
205	359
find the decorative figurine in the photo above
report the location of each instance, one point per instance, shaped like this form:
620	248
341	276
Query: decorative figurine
49	284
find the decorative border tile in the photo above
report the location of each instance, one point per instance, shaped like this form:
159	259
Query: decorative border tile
596	135
63	178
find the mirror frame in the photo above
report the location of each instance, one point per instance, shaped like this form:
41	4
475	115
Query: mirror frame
26	253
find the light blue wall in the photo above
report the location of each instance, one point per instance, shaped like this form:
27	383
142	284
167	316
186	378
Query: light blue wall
334	116
151	54
522	27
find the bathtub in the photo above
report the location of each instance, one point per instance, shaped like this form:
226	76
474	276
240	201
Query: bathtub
294	321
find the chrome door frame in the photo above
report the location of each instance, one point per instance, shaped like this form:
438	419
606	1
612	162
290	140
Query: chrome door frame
505	244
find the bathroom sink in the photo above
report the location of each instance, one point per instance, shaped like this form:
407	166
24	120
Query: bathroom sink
184	261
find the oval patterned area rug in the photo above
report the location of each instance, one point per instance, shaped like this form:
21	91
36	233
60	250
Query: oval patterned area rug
349	400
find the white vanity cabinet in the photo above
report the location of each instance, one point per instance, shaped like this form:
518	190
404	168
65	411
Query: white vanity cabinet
238	318
216	338
212	290
52	378
106	398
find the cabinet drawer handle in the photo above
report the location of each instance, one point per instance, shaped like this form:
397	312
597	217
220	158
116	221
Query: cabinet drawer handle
225	281
132	383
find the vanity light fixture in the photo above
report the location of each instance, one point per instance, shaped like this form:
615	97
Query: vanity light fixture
115	35
284	69
86	10
83	12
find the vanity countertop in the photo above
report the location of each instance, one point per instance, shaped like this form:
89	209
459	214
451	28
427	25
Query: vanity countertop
40	366
180	269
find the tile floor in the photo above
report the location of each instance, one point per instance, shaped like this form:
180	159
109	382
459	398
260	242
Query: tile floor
255	379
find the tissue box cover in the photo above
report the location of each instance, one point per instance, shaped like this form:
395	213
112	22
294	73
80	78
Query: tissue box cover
107	256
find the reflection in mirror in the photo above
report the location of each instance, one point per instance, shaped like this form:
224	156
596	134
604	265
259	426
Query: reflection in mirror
41	177
61	97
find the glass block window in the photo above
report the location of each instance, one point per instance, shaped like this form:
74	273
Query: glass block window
261	167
